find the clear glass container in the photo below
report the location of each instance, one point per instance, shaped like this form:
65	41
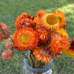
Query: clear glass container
27	69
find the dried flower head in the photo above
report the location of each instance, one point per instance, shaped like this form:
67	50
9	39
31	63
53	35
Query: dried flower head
24	20
5	30
41	55
25	39
59	42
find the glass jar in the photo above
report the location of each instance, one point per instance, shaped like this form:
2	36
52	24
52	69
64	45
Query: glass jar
27	69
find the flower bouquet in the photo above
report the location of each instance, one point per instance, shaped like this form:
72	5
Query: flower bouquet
43	38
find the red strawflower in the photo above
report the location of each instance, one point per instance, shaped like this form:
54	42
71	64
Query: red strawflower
5	30
58	43
8	44
7	54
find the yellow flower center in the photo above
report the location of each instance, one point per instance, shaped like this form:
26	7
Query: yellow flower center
52	20
25	38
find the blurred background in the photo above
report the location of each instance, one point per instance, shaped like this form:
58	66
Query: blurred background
10	9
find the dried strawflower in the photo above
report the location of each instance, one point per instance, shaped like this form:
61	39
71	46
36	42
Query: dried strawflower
59	42
50	20
25	39
41	55
24	20
5	30
7	54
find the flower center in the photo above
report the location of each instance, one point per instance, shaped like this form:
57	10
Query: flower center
52	20
25	38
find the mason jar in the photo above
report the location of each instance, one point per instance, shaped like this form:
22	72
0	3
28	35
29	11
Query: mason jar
27	69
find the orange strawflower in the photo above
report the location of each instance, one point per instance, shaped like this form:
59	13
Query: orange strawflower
41	13
59	42
51	20
37	19
40	55
24	20
25	39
